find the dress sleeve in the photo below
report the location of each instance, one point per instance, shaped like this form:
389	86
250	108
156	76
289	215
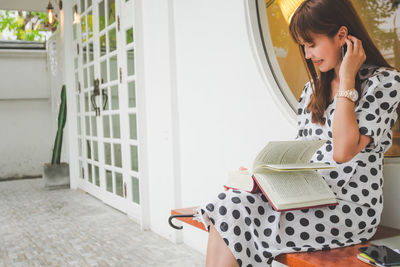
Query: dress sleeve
376	109
301	111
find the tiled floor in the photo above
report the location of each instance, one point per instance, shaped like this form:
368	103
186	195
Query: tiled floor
65	227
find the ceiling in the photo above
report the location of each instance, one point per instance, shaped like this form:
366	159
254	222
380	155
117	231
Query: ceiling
26	5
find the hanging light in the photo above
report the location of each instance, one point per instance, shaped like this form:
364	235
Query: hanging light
50	13
76	15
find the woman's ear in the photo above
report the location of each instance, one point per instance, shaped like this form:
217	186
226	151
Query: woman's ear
342	34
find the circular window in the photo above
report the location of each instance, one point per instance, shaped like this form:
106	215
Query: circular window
382	20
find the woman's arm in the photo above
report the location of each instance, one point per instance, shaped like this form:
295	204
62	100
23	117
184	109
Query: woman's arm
347	140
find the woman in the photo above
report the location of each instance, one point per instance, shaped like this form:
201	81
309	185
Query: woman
332	38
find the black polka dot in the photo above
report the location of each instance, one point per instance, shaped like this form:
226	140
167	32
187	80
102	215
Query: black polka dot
359	211
362	225
236	214
304	236
333	174
257	258
374	171
267	254
335	231
319	227
334	219
371	212
319	214
237	230
278	239
236	200
347	169
318	131
348	234
290	244
247	221
365	192
375	186
267	232
372	158
247	235
346	209
348	222
353	184
271	218
238	247
251	199
289	230
340	183
226	241
261	210
320	239
257	222
363	178
304	222
289	216
224	227
264	244
355	198
248	252
222	210
248	210
222	196
210	207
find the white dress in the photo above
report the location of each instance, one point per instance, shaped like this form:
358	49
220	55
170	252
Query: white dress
256	233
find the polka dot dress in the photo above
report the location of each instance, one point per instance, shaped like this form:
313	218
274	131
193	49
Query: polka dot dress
256	233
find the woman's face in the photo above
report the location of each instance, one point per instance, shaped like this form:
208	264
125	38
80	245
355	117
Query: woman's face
325	52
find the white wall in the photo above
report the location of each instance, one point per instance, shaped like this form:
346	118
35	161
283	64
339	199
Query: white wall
25	136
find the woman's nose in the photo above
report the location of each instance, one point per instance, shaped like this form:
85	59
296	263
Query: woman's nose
307	53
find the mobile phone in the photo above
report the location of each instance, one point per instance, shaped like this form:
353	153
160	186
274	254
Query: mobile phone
382	254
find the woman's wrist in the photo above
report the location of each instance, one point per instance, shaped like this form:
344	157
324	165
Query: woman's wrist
347	83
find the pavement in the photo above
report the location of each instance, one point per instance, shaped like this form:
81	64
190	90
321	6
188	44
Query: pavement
41	227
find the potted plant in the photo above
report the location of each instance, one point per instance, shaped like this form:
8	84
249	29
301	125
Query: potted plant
56	174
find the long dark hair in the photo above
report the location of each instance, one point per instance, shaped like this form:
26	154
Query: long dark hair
326	17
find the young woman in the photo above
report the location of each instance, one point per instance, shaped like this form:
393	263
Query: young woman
352	103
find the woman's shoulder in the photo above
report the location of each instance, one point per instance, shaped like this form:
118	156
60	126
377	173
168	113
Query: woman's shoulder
381	74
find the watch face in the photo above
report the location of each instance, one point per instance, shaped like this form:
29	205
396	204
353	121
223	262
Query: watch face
354	95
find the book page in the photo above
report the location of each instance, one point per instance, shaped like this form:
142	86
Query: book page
291	187
297	166
284	152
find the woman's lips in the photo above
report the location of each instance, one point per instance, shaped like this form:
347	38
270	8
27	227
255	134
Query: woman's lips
318	62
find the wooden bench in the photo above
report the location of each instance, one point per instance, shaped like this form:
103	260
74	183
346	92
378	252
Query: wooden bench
345	256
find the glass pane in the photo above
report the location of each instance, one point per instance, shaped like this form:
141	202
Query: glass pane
84	54
103	48
134	158
82	6
86	102
106	126
130	62
96	175
85	73
75	63
90	24
113	68
111	11
90	173
88	149
87	122
81	170
83	33
115	126
129	36
135	190
95	151
78	103
89	3
117	156
102	16
119	184
131	94
103	70
91	72
109	181
114	97
80	147
107	153
91	52
79	125
112	40
77	82
74	28
132	126
94	126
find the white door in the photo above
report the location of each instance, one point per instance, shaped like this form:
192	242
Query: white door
106	100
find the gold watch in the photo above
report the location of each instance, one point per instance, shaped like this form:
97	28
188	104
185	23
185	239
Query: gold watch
351	94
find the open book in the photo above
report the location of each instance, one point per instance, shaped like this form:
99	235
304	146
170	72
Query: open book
284	174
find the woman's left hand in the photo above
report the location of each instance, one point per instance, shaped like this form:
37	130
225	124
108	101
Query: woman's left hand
352	60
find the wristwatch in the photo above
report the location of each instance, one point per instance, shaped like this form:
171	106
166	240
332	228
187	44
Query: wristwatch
351	94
